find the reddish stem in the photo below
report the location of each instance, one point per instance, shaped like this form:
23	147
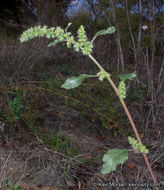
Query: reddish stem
135	131
130	119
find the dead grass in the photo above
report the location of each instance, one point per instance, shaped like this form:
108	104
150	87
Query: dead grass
30	162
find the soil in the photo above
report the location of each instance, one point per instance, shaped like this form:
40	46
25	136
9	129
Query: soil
26	159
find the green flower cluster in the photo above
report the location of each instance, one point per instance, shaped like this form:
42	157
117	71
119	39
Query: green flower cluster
122	90
37	31
70	39
61	35
102	74
83	42
138	146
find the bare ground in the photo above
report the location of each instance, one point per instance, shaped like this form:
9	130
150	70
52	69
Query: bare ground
26	159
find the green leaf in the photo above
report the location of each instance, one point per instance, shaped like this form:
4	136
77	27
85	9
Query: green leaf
69	24
74	82
109	30
54	43
16	186
112	158
10	185
162	183
162	141
129	76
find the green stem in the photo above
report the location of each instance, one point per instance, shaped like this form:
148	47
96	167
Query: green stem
130	119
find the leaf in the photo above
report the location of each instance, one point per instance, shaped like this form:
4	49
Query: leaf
112	158
162	141
54	43
16	186
74	82
162	183
129	76
109	30
69	24
10	184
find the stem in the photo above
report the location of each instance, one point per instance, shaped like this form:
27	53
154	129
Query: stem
130	119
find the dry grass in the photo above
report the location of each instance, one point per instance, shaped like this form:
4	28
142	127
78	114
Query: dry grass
33	163
27	159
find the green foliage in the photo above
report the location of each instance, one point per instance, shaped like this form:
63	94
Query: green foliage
109	30
137	93
112	158
162	141
129	76
61	35
67	69
160	185
15	108
69	24
59	143
74	82
138	146
23	106
11	186
55	42
38	31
